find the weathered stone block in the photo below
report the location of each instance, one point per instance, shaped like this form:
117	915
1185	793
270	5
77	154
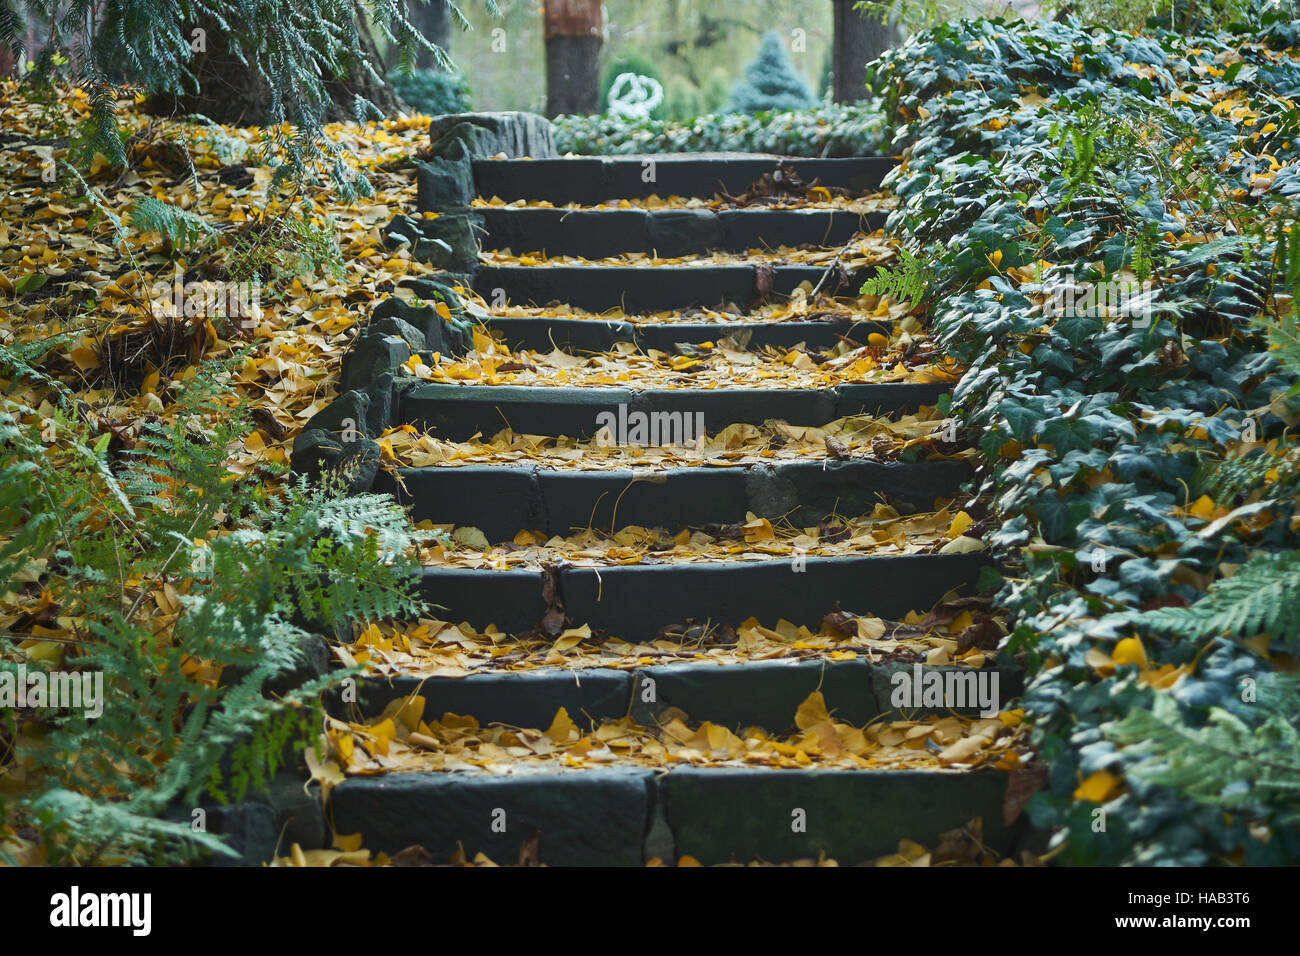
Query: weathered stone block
515	134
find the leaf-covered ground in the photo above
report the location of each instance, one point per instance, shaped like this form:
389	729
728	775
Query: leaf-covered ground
64	274
99	369
92	257
1138	478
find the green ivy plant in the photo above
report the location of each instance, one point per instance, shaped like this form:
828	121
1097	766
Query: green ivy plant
1139	482
827	129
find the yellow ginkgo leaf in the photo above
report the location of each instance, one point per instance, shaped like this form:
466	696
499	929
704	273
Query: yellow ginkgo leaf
85	357
1099	787
1130	651
1163	678
812	711
348	843
572	638
960	522
562	728
960	622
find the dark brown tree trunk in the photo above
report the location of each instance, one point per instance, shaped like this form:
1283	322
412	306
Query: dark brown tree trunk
359	82
573	29
859	39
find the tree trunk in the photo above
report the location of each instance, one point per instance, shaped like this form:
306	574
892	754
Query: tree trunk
573	41
859	39
343	92
431	19
229	92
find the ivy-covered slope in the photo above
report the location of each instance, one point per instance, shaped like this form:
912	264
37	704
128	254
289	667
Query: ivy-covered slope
1139	484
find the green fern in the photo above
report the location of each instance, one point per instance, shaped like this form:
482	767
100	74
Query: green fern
79	821
1228	762
1079	164
13	29
180	229
98	132
1230	479
288	246
1283	328
910	282
256	578
1262	597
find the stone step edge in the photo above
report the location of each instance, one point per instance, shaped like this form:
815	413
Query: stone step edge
543	333
589	180
636	289
668	233
756	693
635	601
501	500
457	411
628	816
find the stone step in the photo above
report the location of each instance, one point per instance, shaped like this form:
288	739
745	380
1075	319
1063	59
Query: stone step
500	500
755	693
635	601
589	181
645	288
601	335
457	412
597	233
624	816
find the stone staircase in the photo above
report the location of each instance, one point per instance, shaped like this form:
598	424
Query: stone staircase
623	812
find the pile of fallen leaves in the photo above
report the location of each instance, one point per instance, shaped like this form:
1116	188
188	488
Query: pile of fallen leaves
958	631
61	272
883	531
860	254
706	365
860	204
801	307
401	740
736	445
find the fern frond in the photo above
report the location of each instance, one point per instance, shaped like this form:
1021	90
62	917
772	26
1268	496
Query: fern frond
120	833
1262	597
910	282
179	227
1227	762
11	30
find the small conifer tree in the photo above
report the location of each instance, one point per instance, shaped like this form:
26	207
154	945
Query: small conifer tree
770	82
